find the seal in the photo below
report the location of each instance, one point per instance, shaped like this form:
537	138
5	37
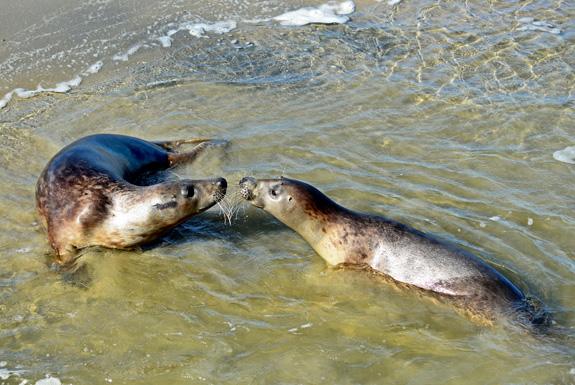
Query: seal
406	256
91	193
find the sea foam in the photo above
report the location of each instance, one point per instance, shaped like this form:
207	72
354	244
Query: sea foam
567	155
125	56
94	68
61	87
530	24
330	13
49	381
198	30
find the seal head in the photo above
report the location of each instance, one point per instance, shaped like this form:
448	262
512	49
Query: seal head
139	215
291	201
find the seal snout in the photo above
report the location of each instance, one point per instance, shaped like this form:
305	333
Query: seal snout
247	185
216	187
222	184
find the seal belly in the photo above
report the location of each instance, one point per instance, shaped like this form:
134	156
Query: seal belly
421	265
417	259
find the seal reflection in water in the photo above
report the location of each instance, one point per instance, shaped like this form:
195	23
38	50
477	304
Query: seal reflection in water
408	256
89	193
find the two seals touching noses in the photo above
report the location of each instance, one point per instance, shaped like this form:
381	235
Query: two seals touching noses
400	252
90	193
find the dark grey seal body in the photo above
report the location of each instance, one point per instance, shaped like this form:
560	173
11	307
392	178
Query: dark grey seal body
406	255
89	193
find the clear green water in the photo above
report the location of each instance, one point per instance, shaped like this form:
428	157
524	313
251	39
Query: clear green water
443	115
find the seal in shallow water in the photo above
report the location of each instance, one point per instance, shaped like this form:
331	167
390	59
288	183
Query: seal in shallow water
407	256
89	193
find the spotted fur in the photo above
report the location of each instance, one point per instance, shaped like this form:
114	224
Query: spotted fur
402	254
90	194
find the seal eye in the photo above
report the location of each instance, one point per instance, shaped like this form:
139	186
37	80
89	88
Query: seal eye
188	191
274	193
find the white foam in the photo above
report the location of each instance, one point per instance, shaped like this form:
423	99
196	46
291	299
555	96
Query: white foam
49	381
530	24
6	99
7	373
61	87
124	56
94	68
393	2
330	13
567	155
65	86
200	29
166	41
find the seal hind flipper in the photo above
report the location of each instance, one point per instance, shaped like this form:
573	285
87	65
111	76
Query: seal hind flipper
171	145
176	158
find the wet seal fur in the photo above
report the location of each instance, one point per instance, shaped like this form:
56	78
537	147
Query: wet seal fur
403	255
91	194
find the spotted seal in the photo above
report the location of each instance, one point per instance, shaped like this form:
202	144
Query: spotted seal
90	193
406	256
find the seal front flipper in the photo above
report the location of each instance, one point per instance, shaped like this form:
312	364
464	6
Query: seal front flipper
176	158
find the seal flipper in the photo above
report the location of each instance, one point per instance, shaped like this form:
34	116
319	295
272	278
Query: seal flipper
176	158
171	145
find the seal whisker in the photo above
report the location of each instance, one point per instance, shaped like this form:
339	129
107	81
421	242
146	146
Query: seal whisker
230	205
226	213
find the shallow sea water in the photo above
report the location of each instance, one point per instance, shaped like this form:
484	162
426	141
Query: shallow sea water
443	115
